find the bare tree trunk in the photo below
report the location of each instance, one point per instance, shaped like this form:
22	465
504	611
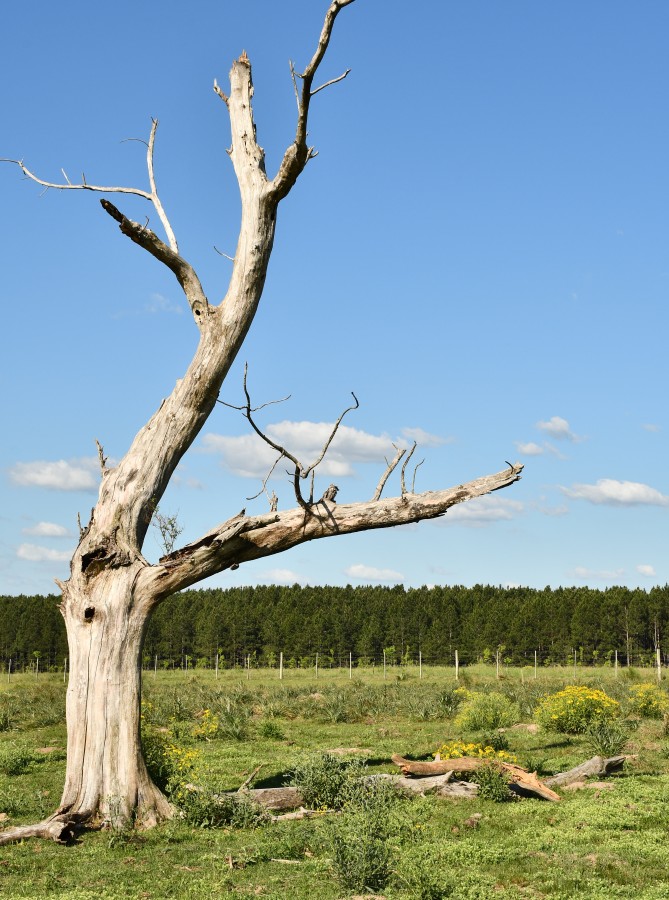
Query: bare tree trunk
106	779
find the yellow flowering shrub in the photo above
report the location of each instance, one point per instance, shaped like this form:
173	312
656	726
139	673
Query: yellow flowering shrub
460	749
574	709
207	727
648	701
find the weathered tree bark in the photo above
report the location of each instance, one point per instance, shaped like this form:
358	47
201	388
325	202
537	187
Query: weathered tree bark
112	590
526	781
597	767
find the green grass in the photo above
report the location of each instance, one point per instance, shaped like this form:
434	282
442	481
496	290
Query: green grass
605	843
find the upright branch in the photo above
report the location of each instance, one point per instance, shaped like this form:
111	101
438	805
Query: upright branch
390	466
299	153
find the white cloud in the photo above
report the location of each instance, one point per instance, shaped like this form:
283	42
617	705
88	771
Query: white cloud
47	529
424	438
62	475
584	574
648	571
483	511
249	456
558	428
610	492
529	449
371	573
282	576
34	553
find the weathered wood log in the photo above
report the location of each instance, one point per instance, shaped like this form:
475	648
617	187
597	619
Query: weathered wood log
276	798
597	766
525	781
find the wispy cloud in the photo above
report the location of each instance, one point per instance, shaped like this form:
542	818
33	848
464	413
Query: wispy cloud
584	574
652	428
645	569
608	491
47	529
35	553
424	438
157	304
160	304
361	572
483	511
558	428
62	475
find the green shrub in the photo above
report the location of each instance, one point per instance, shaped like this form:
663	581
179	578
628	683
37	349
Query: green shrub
606	738
574	709
269	729
208	808
327	781
486	712
360	839
648	701
493	783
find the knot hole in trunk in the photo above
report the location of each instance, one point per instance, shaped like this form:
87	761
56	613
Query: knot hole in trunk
89	612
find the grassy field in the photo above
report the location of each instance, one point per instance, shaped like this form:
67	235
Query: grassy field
602	842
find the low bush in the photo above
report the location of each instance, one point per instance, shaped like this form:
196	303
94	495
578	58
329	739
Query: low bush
648	701
485	712
574	709
206	807
326	781
480	750
606	738
360	839
493	783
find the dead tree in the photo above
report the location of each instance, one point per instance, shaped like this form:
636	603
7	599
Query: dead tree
112	589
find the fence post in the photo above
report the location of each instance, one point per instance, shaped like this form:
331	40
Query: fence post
574	665
317	665
281	665
420	664
384	665
497	664
9	670
457	667
535	665
659	664
615	662
350	665
248	666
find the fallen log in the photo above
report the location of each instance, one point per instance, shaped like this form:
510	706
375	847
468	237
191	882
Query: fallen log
526	782
597	766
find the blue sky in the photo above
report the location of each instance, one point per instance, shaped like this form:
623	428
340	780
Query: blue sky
480	252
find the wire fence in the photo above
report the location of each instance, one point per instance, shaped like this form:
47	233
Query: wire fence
530	663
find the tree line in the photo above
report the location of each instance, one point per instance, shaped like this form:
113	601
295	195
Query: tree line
258	623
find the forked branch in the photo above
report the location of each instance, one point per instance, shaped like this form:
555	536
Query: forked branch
300	470
298	154
151	195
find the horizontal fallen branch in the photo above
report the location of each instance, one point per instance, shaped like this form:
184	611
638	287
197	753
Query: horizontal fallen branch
597	767
526	781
